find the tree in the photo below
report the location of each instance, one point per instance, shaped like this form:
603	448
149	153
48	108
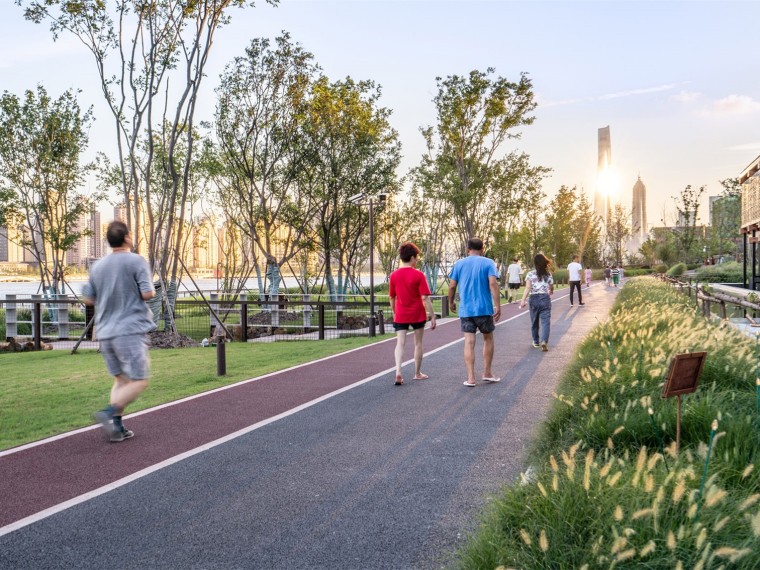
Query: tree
725	222
150	58
41	141
587	232
560	238
687	206
351	149
259	124
464	165
618	231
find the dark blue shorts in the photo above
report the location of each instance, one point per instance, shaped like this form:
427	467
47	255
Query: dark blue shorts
483	324
405	326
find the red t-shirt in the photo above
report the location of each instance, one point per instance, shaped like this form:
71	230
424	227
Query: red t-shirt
408	285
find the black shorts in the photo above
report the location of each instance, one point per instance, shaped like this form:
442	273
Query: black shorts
513	285
405	326
483	324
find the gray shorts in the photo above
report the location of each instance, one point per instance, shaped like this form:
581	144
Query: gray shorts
483	324
127	355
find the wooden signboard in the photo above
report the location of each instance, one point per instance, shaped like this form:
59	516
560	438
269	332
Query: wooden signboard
683	378
683	375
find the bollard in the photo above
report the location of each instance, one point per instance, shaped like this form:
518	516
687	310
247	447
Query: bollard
381	322
221	357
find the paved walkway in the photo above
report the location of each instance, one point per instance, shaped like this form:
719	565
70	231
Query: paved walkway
326	465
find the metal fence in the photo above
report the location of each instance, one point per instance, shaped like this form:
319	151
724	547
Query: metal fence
63	321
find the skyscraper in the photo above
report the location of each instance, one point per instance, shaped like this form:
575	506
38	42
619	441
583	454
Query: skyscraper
602	204
639	214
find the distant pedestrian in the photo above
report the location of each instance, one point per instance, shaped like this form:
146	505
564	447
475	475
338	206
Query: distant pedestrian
477	279
514	279
615	275
574	269
118	286
411	306
607	275
588	277
539	287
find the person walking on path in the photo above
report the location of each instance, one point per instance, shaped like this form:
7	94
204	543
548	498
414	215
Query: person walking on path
574	269
607	275
615	272
118	286
476	277
588	277
411	306
539	286
514	279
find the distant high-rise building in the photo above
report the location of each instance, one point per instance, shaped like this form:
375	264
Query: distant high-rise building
639	211
602	206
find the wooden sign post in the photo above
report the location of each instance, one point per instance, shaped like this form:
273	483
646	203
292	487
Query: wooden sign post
683	378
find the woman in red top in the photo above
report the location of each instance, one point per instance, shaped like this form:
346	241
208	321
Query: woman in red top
411	305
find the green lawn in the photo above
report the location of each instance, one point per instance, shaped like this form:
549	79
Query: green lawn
47	393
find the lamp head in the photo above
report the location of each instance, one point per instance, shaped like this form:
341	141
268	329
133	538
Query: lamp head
356	198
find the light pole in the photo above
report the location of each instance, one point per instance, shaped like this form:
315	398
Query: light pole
359	199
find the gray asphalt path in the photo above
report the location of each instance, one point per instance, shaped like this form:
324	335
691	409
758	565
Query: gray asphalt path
375	477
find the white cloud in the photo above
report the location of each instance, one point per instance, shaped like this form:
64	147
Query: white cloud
632	92
748	147
686	96
733	105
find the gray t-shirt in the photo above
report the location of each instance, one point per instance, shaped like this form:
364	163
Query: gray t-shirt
116	285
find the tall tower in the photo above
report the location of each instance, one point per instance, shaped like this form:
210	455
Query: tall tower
602	204
639	213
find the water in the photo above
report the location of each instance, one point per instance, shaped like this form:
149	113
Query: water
27	288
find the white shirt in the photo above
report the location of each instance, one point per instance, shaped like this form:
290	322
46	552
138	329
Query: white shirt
574	269
514	271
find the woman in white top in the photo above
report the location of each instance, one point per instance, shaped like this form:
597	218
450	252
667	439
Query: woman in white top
539	286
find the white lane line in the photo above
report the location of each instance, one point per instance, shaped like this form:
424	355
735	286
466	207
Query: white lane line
207	446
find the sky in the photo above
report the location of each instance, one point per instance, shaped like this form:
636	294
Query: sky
676	82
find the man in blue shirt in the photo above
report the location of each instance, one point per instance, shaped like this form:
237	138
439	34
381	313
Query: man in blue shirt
476	277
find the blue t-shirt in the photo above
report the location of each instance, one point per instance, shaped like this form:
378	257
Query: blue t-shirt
116	284
471	275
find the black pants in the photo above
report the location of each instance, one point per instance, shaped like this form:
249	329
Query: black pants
575	285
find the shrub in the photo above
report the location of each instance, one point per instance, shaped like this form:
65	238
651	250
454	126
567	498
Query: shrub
677	270
731	272
662	268
603	495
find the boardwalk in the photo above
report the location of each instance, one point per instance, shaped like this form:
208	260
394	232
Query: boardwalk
327	465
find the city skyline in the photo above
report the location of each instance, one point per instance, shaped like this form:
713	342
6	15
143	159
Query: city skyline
668	77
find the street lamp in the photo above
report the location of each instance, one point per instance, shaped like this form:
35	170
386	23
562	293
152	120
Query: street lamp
362	199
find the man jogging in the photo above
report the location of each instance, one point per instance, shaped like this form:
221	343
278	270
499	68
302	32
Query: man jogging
119	285
477	279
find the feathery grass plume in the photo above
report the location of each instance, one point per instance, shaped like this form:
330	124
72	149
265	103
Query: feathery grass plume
714	496
612	481
525	537
747	470
553	463
671	540
640	462
625	555
679	490
653	461
679	565
701	538
618	430
618	513
605	470
649	484
619	544
718	526
748	502
543	542
555	483
755	522
642	513
587	470
692	512
681	532
733	554
542	489
649	547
